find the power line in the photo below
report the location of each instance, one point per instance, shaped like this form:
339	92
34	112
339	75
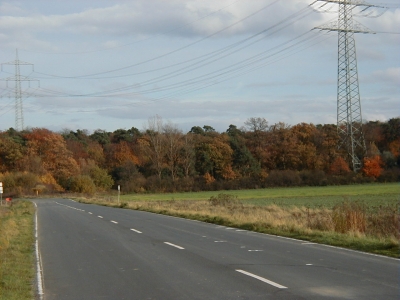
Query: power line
171	52
215	55
142	40
215	77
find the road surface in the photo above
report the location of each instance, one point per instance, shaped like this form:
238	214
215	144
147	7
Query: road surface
96	252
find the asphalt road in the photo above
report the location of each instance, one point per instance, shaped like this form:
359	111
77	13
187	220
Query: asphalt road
95	252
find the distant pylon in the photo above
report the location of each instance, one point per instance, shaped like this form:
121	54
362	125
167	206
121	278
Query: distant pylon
349	118
19	115
17	78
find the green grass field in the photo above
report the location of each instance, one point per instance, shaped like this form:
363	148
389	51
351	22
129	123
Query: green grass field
329	196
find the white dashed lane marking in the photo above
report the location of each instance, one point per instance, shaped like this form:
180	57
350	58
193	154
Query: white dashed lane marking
262	279
176	246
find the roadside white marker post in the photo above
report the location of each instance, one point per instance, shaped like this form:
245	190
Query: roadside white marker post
1	193
119	191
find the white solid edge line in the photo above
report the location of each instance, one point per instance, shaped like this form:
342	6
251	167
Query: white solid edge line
38	260
262	279
137	231
176	246
325	245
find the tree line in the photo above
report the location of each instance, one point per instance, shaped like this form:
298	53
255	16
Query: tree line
162	158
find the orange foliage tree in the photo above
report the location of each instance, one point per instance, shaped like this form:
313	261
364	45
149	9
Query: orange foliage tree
394	148
339	167
119	154
373	166
52	151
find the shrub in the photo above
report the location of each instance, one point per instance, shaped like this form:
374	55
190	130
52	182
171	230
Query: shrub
223	200
390	175
283	178
313	178
134	184
101	178
82	184
185	184
50	183
19	183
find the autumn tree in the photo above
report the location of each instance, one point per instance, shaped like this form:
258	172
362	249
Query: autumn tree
283	147
197	130
305	146
82	146
173	139
391	130
52	151
372	166
153	145
188	153
373	133
101	136
11	154
243	162
77	149
339	167
256	140
256	125
326	142
119	154
130	135
214	156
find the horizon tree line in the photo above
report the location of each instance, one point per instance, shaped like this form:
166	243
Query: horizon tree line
162	158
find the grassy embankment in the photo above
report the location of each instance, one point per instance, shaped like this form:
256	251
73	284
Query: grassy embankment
17	251
360	217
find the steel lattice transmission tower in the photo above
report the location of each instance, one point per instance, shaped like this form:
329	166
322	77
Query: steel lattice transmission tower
17	79
349	118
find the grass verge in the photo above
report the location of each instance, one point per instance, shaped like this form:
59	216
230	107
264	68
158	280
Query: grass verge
17	251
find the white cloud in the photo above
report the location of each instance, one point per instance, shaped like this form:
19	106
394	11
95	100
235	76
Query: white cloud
390	76
10	9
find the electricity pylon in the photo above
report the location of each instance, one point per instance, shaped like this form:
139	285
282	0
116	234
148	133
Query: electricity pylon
17	78
349	118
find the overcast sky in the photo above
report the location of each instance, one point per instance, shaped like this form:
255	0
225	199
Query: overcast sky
100	64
